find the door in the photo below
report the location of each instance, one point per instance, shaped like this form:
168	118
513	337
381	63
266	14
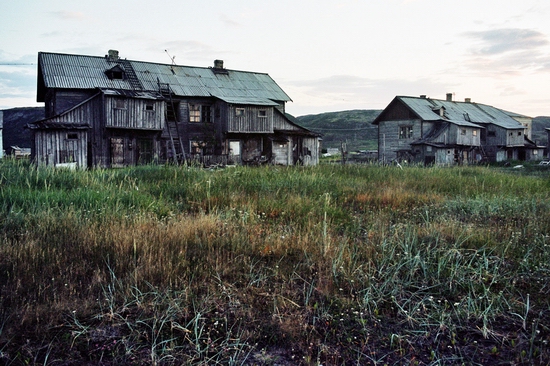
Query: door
145	151
235	151
117	152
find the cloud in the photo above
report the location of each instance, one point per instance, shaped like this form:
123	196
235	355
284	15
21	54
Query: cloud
229	22
501	53
68	15
498	41
340	92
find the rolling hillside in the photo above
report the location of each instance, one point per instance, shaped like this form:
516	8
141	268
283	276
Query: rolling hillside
353	127
15	120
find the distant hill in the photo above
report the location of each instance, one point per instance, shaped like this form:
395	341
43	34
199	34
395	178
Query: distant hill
538	130
15	120
353	127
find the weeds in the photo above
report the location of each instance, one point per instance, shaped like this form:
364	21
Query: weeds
324	265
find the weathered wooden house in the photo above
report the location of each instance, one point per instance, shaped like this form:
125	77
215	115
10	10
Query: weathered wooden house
432	131
112	112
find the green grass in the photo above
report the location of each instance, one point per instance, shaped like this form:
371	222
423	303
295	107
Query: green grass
321	265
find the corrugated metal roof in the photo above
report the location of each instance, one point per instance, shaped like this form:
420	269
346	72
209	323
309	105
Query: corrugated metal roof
460	113
66	71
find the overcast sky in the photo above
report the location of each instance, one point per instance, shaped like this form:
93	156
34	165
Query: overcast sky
328	55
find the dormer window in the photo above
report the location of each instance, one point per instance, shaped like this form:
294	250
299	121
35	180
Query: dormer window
115	73
439	110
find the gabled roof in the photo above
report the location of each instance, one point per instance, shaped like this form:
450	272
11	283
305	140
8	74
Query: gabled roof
65	71
459	113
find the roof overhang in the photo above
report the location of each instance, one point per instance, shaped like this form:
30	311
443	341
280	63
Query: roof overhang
248	101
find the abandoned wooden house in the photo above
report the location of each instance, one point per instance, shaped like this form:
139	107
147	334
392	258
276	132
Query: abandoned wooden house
112	112
432	131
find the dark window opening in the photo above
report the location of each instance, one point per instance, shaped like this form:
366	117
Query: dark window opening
149	107
206	113
262	113
72	136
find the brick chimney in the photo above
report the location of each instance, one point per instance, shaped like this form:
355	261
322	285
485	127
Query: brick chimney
218	64
112	55
449	97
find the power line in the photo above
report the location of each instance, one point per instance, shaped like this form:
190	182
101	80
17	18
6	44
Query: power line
14	64
342	129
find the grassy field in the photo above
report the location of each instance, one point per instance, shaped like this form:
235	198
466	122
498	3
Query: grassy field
331	265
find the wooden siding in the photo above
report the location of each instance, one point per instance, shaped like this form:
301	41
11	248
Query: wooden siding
249	121
282	153
134	114
280	123
468	136
389	142
311	144
54	147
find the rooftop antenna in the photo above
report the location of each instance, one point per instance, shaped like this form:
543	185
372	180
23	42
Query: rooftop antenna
171	58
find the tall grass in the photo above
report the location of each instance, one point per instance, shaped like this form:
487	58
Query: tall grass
271	265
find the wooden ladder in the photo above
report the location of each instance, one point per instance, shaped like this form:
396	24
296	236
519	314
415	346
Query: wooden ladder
131	75
172	124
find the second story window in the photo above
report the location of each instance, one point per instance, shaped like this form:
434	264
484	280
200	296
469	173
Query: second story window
194	113
200	113
405	132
